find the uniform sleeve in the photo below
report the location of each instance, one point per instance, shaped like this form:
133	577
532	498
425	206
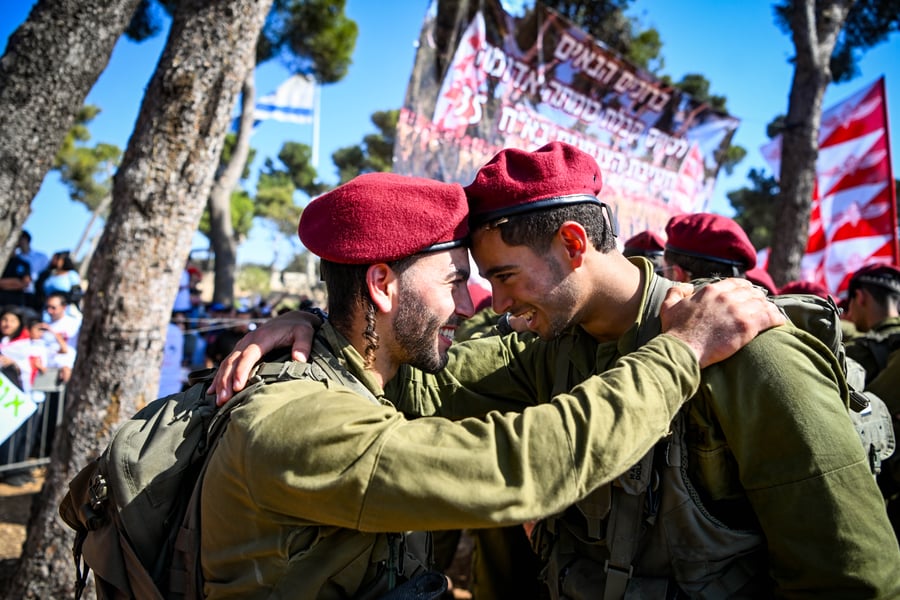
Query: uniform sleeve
886	385
503	373
781	407
333	458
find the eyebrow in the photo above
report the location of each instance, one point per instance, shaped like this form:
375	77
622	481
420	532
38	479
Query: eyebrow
494	270
459	272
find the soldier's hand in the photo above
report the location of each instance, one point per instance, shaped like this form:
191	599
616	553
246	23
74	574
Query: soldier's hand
719	319
295	329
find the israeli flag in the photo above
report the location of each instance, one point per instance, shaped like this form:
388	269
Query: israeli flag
293	101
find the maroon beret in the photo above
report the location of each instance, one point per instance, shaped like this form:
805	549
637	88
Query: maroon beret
804	287
382	217
877	274
516	181
710	237
646	243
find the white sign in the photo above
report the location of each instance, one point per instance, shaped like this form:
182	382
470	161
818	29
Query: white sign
15	407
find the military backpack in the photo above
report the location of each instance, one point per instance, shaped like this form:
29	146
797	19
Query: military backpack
870	415
136	508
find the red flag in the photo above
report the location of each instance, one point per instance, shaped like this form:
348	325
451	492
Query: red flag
854	217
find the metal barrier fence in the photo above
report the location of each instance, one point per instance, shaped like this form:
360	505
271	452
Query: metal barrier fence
31	444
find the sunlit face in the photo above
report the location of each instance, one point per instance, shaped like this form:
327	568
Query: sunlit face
9	324
433	299
525	284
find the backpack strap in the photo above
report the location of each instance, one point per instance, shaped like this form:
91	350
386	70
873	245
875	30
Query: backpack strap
324	366
629	491
186	575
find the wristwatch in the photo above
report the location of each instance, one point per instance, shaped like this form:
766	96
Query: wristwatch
503	325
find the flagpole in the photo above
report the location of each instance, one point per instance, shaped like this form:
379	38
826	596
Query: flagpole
893	187
315	142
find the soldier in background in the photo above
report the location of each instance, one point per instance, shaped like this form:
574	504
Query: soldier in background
873	306
647	244
703	245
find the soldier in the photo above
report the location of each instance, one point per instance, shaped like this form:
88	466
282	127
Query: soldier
706	245
873	306
647	244
312	486
762	490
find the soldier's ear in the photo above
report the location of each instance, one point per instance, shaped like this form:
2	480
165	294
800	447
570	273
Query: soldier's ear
381	281
574	240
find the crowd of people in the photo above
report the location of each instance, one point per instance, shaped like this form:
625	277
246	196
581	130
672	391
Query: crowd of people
39	324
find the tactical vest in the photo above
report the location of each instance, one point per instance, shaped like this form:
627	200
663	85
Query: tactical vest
647	534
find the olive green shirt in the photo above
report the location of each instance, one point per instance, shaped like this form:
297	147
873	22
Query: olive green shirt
308	476
882	380
770	444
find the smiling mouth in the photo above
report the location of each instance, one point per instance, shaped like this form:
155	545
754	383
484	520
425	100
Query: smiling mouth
447	332
527	315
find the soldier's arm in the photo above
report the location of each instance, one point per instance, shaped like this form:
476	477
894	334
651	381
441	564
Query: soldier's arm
714	323
781	405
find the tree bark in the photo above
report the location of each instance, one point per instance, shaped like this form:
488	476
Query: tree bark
814	33
50	65
221	229
158	196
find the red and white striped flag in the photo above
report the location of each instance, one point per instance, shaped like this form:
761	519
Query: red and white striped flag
854	218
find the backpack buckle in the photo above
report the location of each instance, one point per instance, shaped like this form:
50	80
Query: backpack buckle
99	491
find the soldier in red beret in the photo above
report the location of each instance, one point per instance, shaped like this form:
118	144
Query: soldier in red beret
647	244
547	248
873	305
706	245
312	489
544	241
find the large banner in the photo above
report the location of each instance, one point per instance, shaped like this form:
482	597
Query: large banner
854	219
486	80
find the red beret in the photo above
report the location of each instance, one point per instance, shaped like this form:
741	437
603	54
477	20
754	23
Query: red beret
646	243
710	237
516	181
877	274
382	217
804	287
761	277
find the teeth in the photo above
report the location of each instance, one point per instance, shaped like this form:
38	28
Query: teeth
447	332
528	316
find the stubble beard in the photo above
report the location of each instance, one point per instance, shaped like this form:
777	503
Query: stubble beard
416	331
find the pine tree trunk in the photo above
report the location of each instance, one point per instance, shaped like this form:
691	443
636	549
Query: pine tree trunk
158	196
50	65
221	229
814	33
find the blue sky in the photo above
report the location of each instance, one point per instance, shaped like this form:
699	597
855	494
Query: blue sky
734	44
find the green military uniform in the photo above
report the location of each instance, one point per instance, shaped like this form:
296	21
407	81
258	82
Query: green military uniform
503	563
478	325
877	351
308	478
771	458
